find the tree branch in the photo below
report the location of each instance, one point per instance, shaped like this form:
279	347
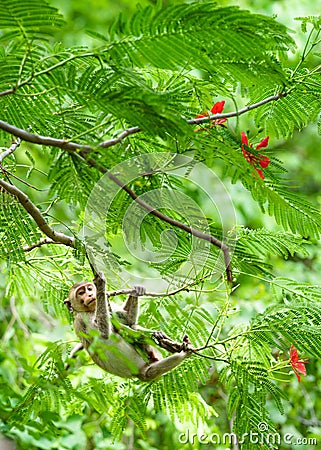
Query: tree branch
35	213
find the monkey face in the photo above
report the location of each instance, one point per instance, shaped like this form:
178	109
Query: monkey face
84	297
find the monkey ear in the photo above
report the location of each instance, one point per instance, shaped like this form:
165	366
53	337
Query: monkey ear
68	304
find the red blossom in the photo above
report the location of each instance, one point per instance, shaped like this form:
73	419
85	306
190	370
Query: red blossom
263	143
217	108
298	365
261	160
264	162
244	139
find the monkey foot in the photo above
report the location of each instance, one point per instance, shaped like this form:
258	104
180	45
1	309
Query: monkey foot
170	345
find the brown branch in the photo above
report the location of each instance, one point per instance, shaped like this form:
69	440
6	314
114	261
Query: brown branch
7	92
123	135
42	140
62	143
35	213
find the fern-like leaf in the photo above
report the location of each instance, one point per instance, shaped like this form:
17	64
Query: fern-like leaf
32	20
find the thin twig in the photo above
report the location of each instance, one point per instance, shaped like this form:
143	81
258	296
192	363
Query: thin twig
123	135
186	287
44	72
13	175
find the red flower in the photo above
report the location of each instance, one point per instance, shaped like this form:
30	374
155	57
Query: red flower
298	365
262	160
217	108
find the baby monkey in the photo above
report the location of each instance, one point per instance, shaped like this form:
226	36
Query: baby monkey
129	356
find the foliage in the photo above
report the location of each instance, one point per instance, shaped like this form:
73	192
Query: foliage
140	91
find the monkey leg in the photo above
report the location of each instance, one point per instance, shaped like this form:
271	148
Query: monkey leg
163	341
159	368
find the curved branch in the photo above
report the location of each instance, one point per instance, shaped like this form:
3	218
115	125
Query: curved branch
41	140
37	216
62	143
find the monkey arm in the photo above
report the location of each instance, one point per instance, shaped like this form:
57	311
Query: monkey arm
132	310
131	305
103	310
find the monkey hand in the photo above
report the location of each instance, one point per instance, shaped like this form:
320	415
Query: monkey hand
139	290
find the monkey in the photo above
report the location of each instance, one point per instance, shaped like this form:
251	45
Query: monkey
127	314
120	347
